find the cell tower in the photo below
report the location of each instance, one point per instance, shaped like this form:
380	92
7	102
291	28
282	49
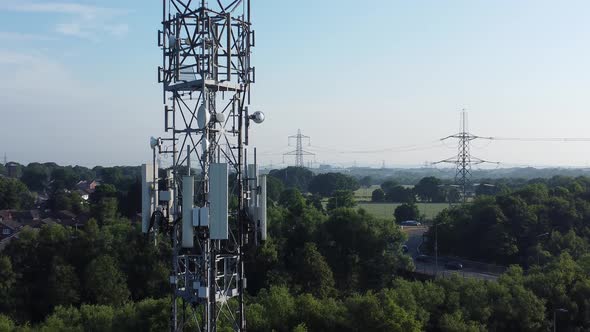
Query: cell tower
464	160
299	152
206	75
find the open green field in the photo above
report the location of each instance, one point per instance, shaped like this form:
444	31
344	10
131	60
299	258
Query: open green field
364	194
385	210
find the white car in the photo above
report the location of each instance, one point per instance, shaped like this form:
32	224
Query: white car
411	223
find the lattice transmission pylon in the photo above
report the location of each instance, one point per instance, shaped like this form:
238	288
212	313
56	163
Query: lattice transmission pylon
464	160
299	152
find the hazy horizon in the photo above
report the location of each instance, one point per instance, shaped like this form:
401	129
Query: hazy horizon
379	82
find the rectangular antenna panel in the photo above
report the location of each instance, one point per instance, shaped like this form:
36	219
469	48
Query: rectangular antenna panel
188	189
218	200
204	217
147	206
165	196
253	183
171	203
262	208
201	217
196	216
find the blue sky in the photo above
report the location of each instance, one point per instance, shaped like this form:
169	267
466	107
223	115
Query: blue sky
79	79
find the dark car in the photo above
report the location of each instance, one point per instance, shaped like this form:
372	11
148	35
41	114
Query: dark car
454	266
422	258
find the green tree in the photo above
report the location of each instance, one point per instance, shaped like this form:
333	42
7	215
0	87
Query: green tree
378	195
98	318
63	319
366	181
274	188
486	189
388	185
104	282
7	282
361	250
294	177
69	201
14	195
103	203
429	190
341	199
379	312
328	184
313	272
400	194
453	195
63	178
292	199
6	324
63	285
35	176
455	322
278	307
321	314
406	212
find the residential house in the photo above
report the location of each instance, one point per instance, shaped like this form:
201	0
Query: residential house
85	188
8	228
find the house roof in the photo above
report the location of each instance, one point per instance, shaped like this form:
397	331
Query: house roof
64	214
49	221
6	214
12	224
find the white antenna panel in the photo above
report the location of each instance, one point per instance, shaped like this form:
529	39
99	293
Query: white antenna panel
146	197
188	189
218	201
262	207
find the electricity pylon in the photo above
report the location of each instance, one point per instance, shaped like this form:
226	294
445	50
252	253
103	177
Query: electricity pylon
464	160
299	152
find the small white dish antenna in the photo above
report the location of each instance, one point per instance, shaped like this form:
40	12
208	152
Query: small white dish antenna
203	116
257	117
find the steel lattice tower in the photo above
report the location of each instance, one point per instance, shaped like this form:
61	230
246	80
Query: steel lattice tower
464	160
206	75
299	152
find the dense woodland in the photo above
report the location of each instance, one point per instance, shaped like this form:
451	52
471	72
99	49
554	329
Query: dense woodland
327	265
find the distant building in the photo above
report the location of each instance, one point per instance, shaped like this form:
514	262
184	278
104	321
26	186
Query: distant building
12	170
13	221
69	219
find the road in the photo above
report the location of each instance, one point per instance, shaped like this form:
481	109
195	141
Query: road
429	266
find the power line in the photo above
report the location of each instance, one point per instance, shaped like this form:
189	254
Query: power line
540	139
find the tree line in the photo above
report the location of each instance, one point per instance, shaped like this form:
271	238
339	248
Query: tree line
322	269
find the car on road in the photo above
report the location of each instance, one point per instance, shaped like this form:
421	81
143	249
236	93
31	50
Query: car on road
411	223
404	248
422	258
454	266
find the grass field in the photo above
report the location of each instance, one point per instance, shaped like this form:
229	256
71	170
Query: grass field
364	194
385	210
